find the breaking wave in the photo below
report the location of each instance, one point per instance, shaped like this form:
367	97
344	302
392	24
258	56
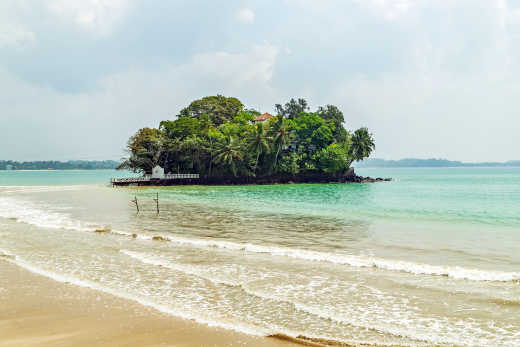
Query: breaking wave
30	213
455	272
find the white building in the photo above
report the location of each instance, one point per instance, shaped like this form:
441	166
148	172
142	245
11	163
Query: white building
8	167
158	172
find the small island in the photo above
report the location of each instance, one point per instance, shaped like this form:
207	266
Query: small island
217	140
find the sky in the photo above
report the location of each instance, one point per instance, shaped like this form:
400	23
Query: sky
429	78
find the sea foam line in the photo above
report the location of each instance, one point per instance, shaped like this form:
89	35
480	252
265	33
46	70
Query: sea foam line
151	260
234	326
26	212
157	261
456	272
424	336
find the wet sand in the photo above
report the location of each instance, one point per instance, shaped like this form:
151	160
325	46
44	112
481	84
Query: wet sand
37	311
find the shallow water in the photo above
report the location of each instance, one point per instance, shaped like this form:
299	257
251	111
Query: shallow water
430	258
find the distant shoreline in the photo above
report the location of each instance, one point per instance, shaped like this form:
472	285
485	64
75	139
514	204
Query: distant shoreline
39	170
48	165
429	163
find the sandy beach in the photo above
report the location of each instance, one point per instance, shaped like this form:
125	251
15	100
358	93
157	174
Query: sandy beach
37	311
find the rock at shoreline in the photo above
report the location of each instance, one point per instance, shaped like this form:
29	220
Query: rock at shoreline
372	180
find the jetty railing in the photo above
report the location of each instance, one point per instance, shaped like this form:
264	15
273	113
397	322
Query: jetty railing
180	176
148	178
130	179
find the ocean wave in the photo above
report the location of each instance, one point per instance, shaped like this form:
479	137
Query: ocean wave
190	270
381	325
456	272
6	255
173	311
186	269
27	212
39	189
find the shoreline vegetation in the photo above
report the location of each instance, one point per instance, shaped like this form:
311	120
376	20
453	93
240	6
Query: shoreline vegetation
225	143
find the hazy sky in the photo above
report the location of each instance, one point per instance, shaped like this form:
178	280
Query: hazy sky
436	78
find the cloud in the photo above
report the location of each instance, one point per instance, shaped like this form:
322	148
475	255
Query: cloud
245	15
96	124
97	16
392	9
429	78
13	31
437	117
12	34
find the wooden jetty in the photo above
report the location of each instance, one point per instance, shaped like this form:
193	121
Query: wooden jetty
150	180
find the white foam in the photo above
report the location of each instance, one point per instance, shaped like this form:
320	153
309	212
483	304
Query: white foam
456	272
30	213
424	331
27	212
401	324
187	269
229	325
39	189
6	254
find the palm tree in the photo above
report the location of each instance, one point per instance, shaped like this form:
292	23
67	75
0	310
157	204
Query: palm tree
280	136
362	144
229	153
258	143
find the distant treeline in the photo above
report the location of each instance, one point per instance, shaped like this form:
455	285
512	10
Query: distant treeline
412	162
58	165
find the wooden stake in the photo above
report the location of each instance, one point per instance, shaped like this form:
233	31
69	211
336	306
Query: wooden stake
157	202
136	203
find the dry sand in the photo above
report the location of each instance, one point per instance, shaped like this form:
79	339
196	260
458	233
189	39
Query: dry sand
37	311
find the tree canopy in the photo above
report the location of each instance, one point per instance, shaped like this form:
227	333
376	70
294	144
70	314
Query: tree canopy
216	136
292	108
220	108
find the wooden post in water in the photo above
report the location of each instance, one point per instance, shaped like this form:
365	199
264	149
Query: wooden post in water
157	202
136	203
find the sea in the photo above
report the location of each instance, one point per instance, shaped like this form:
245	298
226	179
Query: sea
430	258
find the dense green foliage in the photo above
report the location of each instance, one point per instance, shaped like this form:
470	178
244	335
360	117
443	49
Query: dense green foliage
219	108
59	165
217	137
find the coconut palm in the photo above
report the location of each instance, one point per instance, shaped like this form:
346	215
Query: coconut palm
279	135
229	153
258	143
362	145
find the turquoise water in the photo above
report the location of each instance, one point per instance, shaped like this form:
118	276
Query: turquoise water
477	196
430	258
59	177
471	196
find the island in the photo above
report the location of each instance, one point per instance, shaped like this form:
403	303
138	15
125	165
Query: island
217	140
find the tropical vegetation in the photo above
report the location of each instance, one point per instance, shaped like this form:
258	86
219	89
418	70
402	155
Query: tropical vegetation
217	136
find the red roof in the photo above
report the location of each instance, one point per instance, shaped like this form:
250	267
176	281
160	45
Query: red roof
263	117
